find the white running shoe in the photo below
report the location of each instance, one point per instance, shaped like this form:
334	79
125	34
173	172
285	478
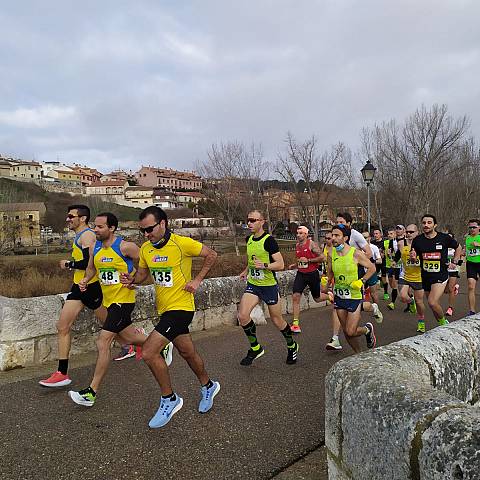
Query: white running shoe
334	344
167	354
377	314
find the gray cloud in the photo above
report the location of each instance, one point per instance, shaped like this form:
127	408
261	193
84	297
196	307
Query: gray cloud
120	84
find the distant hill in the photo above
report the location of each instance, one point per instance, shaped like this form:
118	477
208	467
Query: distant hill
12	191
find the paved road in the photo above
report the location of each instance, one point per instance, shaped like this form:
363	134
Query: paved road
268	420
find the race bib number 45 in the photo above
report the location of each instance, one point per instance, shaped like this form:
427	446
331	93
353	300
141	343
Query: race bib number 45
162	277
109	276
342	292
431	262
256	274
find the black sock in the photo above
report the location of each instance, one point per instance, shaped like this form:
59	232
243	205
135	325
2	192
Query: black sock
88	390
287	334
361	307
171	397
209	384
251	332
394	294
385	287
63	365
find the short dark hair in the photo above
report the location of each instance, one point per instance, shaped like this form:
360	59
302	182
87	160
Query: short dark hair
157	212
474	220
390	229
83	211
343	228
429	215
112	220
346	216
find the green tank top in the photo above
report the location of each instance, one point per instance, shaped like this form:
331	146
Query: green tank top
345	271
388	259
472	252
256	251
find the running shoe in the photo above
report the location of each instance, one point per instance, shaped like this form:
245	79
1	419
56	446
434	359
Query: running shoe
413	307
167	409
292	354
391	306
334	344
470	313
456	289
421	326
295	328
208	394
443	321
449	311
386	296
377	314
251	356
57	379
407	308
167	354
370	335
127	351
86	399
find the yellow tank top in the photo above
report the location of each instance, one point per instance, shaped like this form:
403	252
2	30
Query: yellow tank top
77	255
110	263
345	271
411	268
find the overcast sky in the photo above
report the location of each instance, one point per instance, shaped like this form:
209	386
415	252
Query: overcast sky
116	83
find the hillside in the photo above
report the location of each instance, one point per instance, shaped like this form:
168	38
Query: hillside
12	191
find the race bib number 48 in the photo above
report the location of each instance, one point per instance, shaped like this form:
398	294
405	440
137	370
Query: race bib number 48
109	276
431	262
256	274
162	277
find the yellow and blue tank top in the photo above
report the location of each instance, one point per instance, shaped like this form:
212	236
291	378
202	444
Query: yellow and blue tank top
345	271
110	263
411	268
77	255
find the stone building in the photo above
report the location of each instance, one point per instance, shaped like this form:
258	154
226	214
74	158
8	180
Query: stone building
20	224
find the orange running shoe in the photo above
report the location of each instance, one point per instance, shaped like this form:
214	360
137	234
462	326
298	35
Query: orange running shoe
57	379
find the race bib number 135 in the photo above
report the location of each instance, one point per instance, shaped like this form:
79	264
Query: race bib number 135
162	277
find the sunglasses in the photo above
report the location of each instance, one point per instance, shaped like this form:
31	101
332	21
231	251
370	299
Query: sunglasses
252	220
70	216
473	226
148	229
409	231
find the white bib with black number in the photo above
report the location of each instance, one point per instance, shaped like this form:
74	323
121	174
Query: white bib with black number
256	274
163	277
109	276
344	293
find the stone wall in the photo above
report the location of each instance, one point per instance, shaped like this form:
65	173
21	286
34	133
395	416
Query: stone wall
409	410
28	325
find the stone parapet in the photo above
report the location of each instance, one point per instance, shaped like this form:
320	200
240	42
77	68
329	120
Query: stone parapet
408	410
28	325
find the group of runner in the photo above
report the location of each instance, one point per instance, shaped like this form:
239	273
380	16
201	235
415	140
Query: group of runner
107	268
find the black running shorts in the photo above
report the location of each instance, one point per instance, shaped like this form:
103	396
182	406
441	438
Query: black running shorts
310	279
174	323
473	270
428	281
119	317
92	297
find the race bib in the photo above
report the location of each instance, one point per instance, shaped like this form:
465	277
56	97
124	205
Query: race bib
256	274
109	276
342	292
162	277
413	263
473	251
302	264
431	262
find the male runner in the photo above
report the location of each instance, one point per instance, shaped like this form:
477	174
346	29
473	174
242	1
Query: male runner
77	221
343	269
379	242
393	255
167	257
377	261
411	278
357	241
111	256
472	255
263	260
309	257
432	249
452	287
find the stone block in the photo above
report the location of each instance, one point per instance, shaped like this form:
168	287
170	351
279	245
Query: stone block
238	289
285	282
83	343
451	446
18	354
220	291
46	349
223	315
335	471
198	322
145	306
258	314
450	358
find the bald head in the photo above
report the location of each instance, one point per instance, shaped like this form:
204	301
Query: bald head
411	231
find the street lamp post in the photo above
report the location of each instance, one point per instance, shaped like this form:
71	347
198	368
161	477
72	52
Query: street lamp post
368	173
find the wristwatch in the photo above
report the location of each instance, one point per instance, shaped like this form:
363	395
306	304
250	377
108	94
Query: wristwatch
265	265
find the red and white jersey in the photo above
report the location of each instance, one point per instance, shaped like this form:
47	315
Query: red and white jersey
303	250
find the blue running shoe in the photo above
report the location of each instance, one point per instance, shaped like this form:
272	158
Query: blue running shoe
208	394
168	408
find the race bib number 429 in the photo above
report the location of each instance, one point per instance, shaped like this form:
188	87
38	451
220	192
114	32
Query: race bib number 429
163	277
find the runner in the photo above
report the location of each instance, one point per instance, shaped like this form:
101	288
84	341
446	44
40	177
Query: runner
309	258
343	269
394	235
472	252
357	241
452	287
372	282
432	249
77	220
379	242
110	258
411	278
167	257
263	260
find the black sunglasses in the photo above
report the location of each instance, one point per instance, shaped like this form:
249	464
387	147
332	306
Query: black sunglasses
409	231
473	226
149	229
252	220
70	216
